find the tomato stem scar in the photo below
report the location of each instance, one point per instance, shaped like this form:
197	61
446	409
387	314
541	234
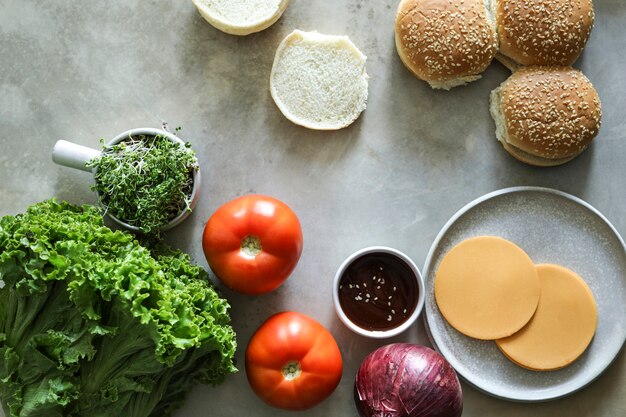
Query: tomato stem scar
291	370
251	246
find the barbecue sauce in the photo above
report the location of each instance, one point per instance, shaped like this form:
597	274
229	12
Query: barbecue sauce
378	291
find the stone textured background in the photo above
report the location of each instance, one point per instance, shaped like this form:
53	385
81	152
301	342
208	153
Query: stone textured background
84	70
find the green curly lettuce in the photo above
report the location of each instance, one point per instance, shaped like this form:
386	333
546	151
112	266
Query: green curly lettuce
94	324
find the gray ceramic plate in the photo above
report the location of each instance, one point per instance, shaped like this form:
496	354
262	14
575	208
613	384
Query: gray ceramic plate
552	227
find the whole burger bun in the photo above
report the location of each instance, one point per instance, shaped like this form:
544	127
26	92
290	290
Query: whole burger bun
443	42
546	116
542	32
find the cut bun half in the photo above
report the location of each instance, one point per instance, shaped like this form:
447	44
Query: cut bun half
319	81
241	17
546	116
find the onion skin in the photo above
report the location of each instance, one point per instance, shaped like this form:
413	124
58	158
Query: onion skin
406	380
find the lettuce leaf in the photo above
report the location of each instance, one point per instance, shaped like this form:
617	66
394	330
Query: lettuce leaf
92	323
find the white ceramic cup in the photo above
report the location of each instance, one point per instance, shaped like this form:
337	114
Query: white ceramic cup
379	334
76	156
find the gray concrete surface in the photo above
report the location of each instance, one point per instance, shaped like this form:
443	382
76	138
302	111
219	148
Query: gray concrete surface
82	70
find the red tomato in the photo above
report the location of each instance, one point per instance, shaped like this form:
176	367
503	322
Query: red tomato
293	362
253	243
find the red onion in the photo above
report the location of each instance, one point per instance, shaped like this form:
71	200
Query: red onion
405	380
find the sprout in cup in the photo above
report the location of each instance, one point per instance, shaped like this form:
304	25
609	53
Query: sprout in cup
145	180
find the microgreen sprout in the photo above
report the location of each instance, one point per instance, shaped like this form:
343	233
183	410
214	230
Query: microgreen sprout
145	181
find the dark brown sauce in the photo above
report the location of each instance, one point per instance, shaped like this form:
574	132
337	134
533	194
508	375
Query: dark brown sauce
378	291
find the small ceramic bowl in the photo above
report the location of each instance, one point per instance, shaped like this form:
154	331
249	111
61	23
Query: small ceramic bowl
393	331
76	156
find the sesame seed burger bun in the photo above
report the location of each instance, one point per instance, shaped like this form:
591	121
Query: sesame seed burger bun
443	42
542	32
546	116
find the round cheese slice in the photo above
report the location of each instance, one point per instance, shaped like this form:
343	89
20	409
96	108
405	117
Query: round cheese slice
487	287
562	327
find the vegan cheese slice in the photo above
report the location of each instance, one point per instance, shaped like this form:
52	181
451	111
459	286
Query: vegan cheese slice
487	287
562	327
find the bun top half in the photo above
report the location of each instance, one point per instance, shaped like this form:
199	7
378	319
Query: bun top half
543	32
551	113
445	42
